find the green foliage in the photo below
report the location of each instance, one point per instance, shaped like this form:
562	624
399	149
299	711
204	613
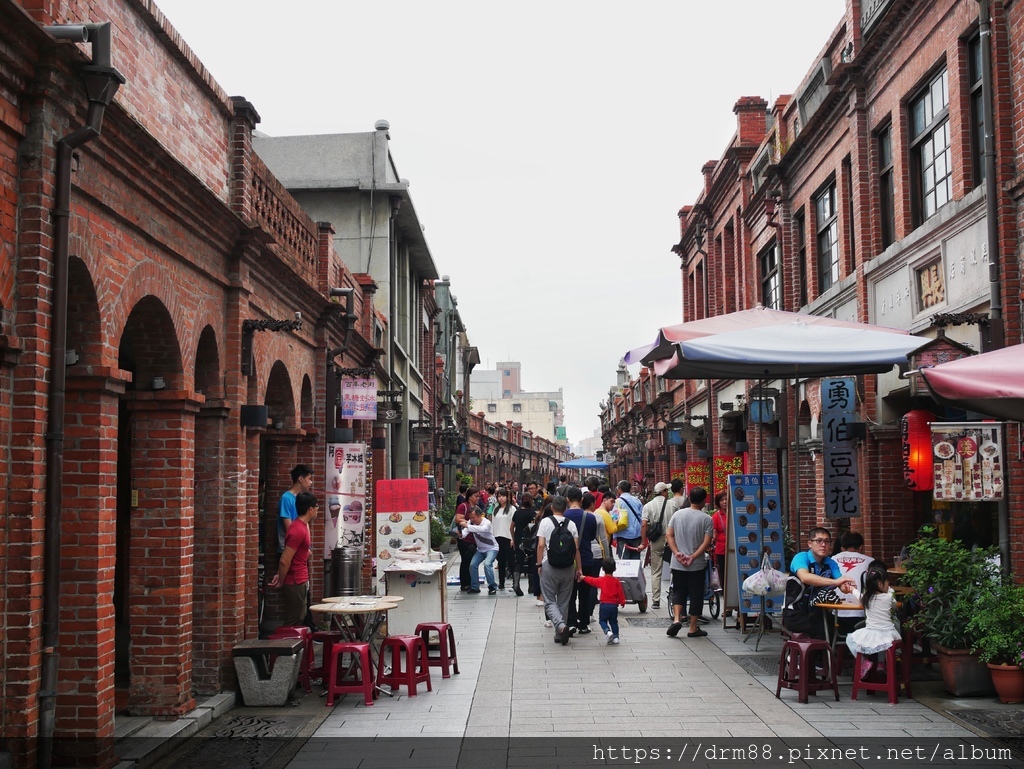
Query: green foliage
463	478
998	625
950	581
438	530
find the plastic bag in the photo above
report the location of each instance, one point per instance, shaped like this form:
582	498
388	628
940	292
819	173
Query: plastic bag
716	580
766	581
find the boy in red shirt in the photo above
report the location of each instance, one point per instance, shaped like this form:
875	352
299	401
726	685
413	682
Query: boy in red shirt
293	570
612	597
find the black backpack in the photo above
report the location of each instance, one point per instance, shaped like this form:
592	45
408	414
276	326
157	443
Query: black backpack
561	549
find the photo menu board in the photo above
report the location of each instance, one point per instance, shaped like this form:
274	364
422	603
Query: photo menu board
967	460
346	496
757	525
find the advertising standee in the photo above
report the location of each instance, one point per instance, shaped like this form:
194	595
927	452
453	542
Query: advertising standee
757	526
345	482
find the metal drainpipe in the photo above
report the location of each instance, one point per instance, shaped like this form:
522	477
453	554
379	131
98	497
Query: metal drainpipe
102	82
997	335
393	318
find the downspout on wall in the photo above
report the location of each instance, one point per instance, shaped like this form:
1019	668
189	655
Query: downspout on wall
101	83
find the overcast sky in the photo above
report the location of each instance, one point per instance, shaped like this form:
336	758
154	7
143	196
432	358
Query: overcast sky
548	145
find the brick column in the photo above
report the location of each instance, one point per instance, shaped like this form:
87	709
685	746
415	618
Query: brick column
161	554
85	703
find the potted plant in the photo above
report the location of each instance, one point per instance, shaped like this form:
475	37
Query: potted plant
950	581
998	627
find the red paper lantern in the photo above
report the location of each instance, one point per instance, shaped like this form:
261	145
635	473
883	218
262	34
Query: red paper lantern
918	471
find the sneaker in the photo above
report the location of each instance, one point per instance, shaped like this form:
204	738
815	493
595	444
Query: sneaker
584	630
563	634
611	637
540	602
655	605
674	629
548	624
492	590
615	640
473	590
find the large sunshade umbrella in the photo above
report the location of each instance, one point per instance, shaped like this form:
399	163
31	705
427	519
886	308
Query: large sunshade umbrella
664	346
990	383
583	464
791	350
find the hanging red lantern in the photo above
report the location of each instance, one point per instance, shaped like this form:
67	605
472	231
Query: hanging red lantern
918	471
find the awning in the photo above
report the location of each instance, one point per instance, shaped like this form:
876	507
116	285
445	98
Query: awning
989	383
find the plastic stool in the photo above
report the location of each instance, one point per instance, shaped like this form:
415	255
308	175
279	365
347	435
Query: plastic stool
328	638
416	669
447	656
306	635
894	677
915	638
338	683
796	668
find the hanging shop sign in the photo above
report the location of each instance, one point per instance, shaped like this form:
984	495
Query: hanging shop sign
346	496
968	461
358	399
724	467
838	405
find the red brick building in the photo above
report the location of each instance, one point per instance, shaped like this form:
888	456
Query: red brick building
861	197
187	265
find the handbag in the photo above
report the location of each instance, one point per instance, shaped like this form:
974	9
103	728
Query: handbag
716	580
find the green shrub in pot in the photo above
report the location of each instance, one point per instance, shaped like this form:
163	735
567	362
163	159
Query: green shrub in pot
998	625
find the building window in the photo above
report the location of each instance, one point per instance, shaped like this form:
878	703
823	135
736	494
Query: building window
492	408
517	407
800	236
506	393
508	373
770	290
977	111
886	187
931	181
828	238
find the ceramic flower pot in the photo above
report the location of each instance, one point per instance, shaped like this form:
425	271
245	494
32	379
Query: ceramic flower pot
1009	682
962	673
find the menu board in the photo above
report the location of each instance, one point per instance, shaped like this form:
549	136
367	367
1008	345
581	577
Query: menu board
968	460
757	525
346	496
397	528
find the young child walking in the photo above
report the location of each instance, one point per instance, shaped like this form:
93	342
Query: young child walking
612	597
880	630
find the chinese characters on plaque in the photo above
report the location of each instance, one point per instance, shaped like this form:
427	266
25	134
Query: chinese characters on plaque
346	496
359	399
838	404
968	460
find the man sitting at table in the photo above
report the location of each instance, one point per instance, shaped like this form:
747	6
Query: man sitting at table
293	571
809	572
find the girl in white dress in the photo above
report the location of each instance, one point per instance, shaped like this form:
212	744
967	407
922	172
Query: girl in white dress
880	630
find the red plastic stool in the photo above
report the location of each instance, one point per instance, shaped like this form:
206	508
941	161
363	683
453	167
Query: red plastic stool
796	668
447	655
328	638
340	683
897	673
912	639
416	670
306	635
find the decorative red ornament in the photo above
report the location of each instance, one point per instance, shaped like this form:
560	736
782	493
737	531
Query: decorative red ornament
918	465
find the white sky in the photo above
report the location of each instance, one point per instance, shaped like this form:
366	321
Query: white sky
548	145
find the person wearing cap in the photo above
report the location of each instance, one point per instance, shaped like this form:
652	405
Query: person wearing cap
654	517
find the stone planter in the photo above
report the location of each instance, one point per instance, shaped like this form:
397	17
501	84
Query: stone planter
1009	682
962	673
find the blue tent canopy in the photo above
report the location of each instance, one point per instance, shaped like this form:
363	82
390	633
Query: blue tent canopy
584	464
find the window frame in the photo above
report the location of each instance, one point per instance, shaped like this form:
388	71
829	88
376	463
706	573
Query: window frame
923	140
800	236
975	96
886	185
770	275
826	224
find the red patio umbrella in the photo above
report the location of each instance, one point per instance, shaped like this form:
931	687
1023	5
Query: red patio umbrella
990	383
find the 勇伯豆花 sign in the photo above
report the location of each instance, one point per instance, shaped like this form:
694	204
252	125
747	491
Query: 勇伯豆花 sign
838	405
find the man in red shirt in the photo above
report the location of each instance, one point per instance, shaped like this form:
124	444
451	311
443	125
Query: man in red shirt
293	572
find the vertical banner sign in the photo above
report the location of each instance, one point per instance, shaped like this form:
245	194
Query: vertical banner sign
346	496
968	460
757	527
697	474
838	404
359	399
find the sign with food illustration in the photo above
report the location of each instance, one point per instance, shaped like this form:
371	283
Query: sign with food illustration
345	485
402	522
757	526
968	461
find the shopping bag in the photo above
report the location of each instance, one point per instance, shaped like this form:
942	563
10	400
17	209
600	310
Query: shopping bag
766	580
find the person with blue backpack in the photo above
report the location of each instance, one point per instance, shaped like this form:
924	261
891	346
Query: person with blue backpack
558	561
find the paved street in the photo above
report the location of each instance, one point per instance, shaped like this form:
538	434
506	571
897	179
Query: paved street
515	682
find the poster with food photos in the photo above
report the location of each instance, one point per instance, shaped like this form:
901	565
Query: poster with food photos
402	519
757	526
968	461
345	485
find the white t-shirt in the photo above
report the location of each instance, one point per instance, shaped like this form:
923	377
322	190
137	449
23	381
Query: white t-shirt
547	528
482	534
852	564
501	520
